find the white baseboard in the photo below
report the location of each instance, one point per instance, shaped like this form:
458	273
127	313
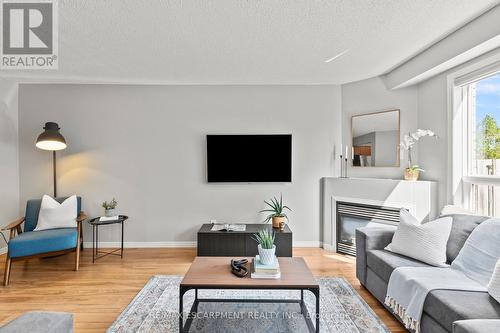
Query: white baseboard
179	244
329	247
141	244
307	244
3	250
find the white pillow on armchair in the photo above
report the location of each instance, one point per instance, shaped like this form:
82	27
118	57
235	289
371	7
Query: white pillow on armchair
494	285
54	215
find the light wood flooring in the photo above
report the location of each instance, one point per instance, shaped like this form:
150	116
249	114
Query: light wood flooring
97	293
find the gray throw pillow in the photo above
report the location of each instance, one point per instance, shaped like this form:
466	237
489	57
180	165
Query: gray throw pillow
461	228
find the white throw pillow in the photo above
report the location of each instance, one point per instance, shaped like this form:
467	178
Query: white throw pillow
452	209
480	253
494	285
54	215
425	242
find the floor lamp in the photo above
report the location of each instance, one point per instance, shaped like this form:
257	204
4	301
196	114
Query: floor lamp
52	140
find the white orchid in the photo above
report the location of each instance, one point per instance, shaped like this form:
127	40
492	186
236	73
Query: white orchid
410	139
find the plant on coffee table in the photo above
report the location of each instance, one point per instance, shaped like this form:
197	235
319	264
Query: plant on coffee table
266	247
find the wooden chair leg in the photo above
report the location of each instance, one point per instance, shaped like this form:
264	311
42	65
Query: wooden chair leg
6	277
81	238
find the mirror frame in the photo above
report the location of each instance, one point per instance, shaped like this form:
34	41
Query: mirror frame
398	151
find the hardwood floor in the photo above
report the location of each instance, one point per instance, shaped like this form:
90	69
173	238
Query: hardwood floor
97	293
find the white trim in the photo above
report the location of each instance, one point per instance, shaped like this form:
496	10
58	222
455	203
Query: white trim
142	244
479	74
329	247
3	250
455	190
191	244
486	180
318	244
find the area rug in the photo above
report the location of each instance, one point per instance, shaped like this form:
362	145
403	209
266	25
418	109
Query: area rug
155	309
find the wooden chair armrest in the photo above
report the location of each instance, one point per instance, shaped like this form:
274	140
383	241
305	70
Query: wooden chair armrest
14	224
81	217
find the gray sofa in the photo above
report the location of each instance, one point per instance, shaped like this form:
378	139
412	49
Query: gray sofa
442	308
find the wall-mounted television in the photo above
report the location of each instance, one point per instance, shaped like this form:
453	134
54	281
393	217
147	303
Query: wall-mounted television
249	158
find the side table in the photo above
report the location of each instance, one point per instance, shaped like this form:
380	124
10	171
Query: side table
95	223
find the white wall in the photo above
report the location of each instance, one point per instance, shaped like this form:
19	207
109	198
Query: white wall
145	145
9	188
371	95
432	114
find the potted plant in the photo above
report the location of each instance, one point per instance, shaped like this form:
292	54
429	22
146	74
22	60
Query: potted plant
413	171
277	216
109	207
266	247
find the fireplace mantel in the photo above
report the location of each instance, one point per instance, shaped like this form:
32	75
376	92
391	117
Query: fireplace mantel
419	197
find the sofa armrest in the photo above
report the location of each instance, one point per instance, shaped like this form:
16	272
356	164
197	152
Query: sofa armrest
476	326
369	238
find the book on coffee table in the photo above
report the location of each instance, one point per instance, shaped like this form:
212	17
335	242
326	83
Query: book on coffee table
261	271
261	268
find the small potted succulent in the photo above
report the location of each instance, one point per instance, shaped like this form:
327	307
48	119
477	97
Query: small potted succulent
109	207
277	216
266	247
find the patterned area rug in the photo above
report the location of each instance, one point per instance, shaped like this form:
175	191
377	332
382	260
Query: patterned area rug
155	309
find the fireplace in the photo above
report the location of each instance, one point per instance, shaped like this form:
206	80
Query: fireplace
351	216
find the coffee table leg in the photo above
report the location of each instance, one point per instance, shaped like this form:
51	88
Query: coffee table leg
181	309
302	301
316	293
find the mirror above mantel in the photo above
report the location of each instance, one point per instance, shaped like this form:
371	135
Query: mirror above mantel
375	139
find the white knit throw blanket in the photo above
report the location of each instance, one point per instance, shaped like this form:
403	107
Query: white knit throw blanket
409	286
470	271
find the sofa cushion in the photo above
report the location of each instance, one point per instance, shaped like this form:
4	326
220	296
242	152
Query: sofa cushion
447	306
462	226
383	262
476	326
36	242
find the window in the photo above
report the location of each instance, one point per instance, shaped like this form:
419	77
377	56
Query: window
479	101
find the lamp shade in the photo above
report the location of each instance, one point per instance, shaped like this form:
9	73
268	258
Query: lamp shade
51	139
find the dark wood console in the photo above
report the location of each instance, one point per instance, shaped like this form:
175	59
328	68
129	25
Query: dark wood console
240	243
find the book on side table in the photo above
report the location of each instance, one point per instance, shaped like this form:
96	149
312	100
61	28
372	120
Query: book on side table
261	271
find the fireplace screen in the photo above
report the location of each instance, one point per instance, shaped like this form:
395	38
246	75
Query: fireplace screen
351	216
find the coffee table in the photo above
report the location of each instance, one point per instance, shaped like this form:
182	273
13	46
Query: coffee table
215	273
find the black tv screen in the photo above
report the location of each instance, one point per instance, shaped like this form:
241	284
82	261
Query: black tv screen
249	158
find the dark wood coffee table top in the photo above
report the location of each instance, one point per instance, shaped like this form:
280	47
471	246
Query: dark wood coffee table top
215	272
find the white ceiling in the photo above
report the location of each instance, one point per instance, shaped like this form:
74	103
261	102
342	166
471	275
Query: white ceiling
245	41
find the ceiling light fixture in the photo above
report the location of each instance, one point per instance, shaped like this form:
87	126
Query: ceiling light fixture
337	56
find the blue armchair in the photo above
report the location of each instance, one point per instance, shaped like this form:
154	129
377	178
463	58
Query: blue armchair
44	243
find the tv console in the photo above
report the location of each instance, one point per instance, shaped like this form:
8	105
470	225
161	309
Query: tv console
240	243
